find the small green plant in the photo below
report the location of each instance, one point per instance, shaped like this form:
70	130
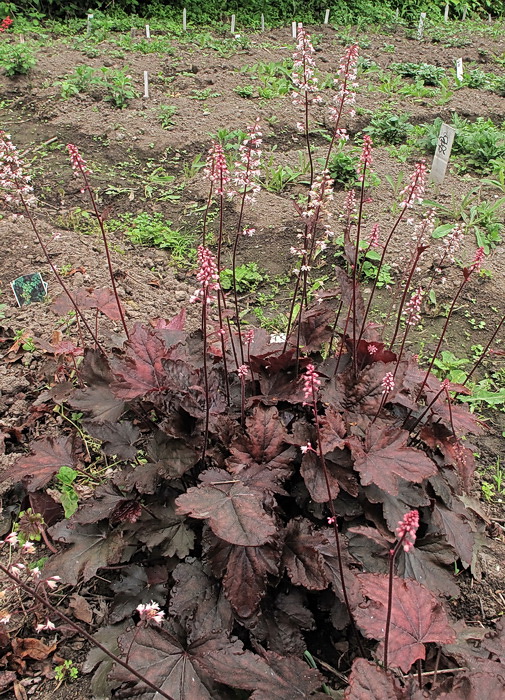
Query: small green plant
26	342
119	86
343	168
165	115
67	671
203	95
247	277
156	231
425	73
277	177
65	484
388	128
245	91
17	59
448	366
81	80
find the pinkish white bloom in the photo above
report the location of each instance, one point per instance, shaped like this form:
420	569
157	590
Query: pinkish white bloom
414	192
242	371
52	582
249	336
150	612
365	158
311	382
388	383
331	520
76	160
28	548
413	308
47	626
373	241
207	275
247	168
216	169
15	185
11	539
306	448
249	232
345	97
303	76
407	529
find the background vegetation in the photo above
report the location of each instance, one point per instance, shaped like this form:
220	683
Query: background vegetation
204	11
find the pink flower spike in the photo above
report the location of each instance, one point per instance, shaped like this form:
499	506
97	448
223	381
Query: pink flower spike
414	192
407	529
150	612
28	548
249	336
76	160
311	382
242	371
332	520
11	539
388	383
52	582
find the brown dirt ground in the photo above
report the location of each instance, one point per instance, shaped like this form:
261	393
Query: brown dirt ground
119	144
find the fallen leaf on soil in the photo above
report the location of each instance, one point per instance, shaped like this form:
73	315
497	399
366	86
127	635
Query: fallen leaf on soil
6	678
81	609
38	468
31	648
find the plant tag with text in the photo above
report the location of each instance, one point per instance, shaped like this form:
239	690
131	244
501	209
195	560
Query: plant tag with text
459	69
442	153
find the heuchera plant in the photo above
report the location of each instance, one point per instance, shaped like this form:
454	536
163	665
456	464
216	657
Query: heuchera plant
296	495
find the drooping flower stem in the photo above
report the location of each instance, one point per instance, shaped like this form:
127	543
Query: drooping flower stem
467	272
79	164
406	533
419	251
33	593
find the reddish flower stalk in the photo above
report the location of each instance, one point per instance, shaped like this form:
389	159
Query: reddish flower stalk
406	533
32	592
242	374
16	189
345	97
208	293
412	194
311	385
247	171
467	272
79	166
6	23
412	319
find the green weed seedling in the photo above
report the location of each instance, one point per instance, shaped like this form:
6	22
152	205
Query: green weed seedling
424	73
247	277
69	498
203	95
388	128
343	168
166	114
16	59
67	671
448	366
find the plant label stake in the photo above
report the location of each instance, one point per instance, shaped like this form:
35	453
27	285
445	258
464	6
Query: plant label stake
293	30
446	13
489	18
326	16
148	32
184	18
420	28
132	32
465	10
146	85
262	23
459	69
29	288
397	14
21	38
442	154
88	24
232	27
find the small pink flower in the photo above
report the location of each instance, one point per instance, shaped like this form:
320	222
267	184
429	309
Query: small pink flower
311	382
413	308
52	582
150	612
388	383
48	626
11	539
306	448
331	520
249	336
217	170
76	160
366	153
414	192
407	529
28	548
242	371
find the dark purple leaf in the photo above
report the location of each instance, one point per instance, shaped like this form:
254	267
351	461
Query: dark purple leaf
386	459
97	399
38	468
118	437
417	618
133	589
91	547
301	557
235	512
314	478
160	527
107	498
370	682
457	531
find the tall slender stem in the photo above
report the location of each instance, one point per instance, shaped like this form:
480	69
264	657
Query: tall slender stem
67	620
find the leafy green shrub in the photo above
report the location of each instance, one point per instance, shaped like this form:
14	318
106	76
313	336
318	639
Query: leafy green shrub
17	59
116	83
421	72
165	115
247	277
388	128
343	169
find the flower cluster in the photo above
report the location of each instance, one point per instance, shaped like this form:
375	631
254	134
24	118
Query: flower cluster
311	382
365	158
15	186
373	241
452	243
247	168
388	383
6	23
150	612
303	75
346	84
413	193
76	160
216	168
413	308
242	372
207	275
407	528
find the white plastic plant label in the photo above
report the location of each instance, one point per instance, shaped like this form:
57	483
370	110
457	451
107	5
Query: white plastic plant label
442	154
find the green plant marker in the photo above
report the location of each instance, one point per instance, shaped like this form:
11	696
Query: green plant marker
326	16
232	24
442	154
262	22
184	20
88	24
29	288
446	12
